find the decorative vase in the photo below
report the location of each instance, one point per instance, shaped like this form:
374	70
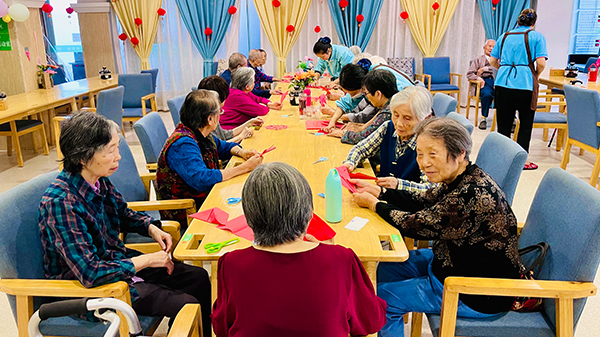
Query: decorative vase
294	94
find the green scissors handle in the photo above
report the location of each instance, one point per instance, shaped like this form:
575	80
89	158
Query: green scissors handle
212	248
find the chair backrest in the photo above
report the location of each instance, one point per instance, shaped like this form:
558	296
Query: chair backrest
589	63
503	159
462	120
152	133
443	104
404	64
175	105
583	108
438	68
110	104
154	73
565	214
136	86
127	179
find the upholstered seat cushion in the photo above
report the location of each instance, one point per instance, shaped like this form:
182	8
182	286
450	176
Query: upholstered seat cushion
134	112
73	326
21	125
443	87
550	117
511	324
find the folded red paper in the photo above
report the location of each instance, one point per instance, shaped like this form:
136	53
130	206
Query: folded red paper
239	227
361	176
213	215
319	124
319	229
345	177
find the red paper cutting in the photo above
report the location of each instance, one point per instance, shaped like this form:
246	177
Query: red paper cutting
361	176
214	215
319	124
283	96
345	176
276	127
319	229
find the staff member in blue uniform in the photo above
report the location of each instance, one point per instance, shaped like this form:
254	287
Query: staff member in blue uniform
520	57
332	57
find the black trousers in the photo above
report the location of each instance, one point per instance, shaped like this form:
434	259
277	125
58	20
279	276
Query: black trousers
162	294
508	102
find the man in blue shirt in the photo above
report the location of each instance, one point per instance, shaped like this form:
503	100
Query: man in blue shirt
236	60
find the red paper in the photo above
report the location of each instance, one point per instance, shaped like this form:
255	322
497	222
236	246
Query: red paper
318	124
283	96
360	176
239	227
276	127
345	176
213	215
268	150
319	229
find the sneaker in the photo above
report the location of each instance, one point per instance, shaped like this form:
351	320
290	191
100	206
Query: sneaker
530	166
483	125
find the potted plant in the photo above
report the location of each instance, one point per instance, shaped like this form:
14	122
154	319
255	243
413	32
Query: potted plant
45	74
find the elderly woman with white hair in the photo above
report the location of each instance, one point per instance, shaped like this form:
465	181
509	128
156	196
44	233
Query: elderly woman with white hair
242	105
397	143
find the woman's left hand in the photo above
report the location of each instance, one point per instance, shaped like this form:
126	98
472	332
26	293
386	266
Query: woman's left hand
366	200
336	133
163	238
247	154
275	105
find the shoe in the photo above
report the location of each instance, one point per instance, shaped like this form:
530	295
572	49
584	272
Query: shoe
483	125
530	166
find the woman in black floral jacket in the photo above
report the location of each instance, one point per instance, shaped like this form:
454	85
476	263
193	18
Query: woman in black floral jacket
473	229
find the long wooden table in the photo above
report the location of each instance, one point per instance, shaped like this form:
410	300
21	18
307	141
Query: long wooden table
560	81
299	148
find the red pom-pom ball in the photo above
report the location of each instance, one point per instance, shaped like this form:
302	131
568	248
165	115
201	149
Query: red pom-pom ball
46	8
207	31
360	18
276	3
290	28
317	29
122	36
135	41
435	6
343	3
232	10
161	11
495	2
70	10
404	15
138	21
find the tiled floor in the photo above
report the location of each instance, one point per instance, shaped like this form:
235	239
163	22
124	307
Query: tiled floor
541	154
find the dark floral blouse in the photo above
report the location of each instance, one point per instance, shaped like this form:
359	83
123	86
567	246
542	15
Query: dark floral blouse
473	229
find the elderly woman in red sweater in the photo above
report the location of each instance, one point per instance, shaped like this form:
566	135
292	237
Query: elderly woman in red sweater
242	105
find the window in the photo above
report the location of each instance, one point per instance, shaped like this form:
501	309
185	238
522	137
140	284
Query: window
585	27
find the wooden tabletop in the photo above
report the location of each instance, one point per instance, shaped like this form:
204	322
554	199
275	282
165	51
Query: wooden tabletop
560	81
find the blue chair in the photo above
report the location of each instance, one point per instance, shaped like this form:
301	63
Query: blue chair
437	77
175	105
462	120
589	62
584	125
443	104
110	105
152	134
139	89
503	159
564	214
154	73
22	271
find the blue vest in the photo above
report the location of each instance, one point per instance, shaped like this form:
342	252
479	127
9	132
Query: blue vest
405	167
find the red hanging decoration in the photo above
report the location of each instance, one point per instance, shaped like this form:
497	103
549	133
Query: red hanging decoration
494	3
317	29
208	32
47	8
122	36
360	18
404	16
161	11
232	10
70	10
290	28
276	3
138	21
435	7
135	41
343	4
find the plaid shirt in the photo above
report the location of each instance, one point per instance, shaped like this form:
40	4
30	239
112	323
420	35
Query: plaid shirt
80	232
370	145
351	137
260	76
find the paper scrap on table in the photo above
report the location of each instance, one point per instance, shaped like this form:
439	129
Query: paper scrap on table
359	175
276	127
345	178
213	215
239	227
356	224
319	124
319	229
322	195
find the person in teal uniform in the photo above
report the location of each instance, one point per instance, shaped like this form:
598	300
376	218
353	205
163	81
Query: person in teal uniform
332	57
520	57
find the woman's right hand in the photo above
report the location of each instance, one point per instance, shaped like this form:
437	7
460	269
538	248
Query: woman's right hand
363	186
275	105
349	166
251	163
387	182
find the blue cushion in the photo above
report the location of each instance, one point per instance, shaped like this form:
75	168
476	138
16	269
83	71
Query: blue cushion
127	179
511	324
443	104
438	68
73	326
462	120
583	106
154	73
134	112
443	87
152	134
22	124
136	86
588	64
550	117
175	105
110	104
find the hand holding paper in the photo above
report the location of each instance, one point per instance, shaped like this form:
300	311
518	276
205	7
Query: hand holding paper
345	177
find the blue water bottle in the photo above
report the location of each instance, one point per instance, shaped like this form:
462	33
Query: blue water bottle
333	197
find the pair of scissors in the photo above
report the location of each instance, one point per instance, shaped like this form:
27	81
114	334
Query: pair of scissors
268	150
233	201
212	248
320	160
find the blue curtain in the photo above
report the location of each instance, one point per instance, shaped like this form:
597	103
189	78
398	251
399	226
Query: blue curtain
504	18
347	26
198	15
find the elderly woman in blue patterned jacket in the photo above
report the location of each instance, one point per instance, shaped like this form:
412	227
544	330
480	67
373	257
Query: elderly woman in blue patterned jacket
332	57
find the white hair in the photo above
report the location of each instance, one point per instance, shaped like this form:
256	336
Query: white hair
242	77
373	58
355	50
418	99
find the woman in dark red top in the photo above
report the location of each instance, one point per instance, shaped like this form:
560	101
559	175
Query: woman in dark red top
284	286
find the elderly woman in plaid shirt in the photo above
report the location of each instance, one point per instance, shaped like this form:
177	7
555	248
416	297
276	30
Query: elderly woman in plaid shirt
82	214
396	141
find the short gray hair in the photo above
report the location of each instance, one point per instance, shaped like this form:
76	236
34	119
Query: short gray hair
278	204
455	136
237	60
254	54
242	77
418	99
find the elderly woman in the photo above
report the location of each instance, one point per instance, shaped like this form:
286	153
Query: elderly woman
242	105
283	285
473	229
82	214
397	142
188	165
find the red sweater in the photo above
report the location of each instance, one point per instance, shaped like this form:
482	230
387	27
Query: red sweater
321	292
240	107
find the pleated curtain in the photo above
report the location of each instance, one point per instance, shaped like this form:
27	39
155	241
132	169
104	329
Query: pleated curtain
426	25
127	11
346	24
504	18
275	20
197	15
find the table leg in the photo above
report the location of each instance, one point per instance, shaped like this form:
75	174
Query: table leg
74	106
92	100
371	268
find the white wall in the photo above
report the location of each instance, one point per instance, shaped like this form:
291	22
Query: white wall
554	21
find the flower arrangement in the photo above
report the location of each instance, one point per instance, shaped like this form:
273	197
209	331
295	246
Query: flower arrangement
48	68
45	73
307	64
302	79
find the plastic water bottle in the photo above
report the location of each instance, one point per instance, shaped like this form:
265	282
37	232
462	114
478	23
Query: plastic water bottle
333	197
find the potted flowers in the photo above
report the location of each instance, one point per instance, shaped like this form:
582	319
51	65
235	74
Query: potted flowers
299	82
307	64
45	74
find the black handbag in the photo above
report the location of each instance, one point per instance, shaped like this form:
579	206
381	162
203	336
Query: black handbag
530	304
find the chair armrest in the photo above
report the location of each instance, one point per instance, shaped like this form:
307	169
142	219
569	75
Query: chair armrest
188	322
520	226
173	228
459	77
598	124
152	98
149	96
88	109
562	97
477	88
161	205
61	288
147	178
152	167
552	103
423	76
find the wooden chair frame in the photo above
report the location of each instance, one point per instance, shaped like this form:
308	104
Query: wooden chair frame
422	77
582	147
153	107
476	98
13	136
562	127
188	322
